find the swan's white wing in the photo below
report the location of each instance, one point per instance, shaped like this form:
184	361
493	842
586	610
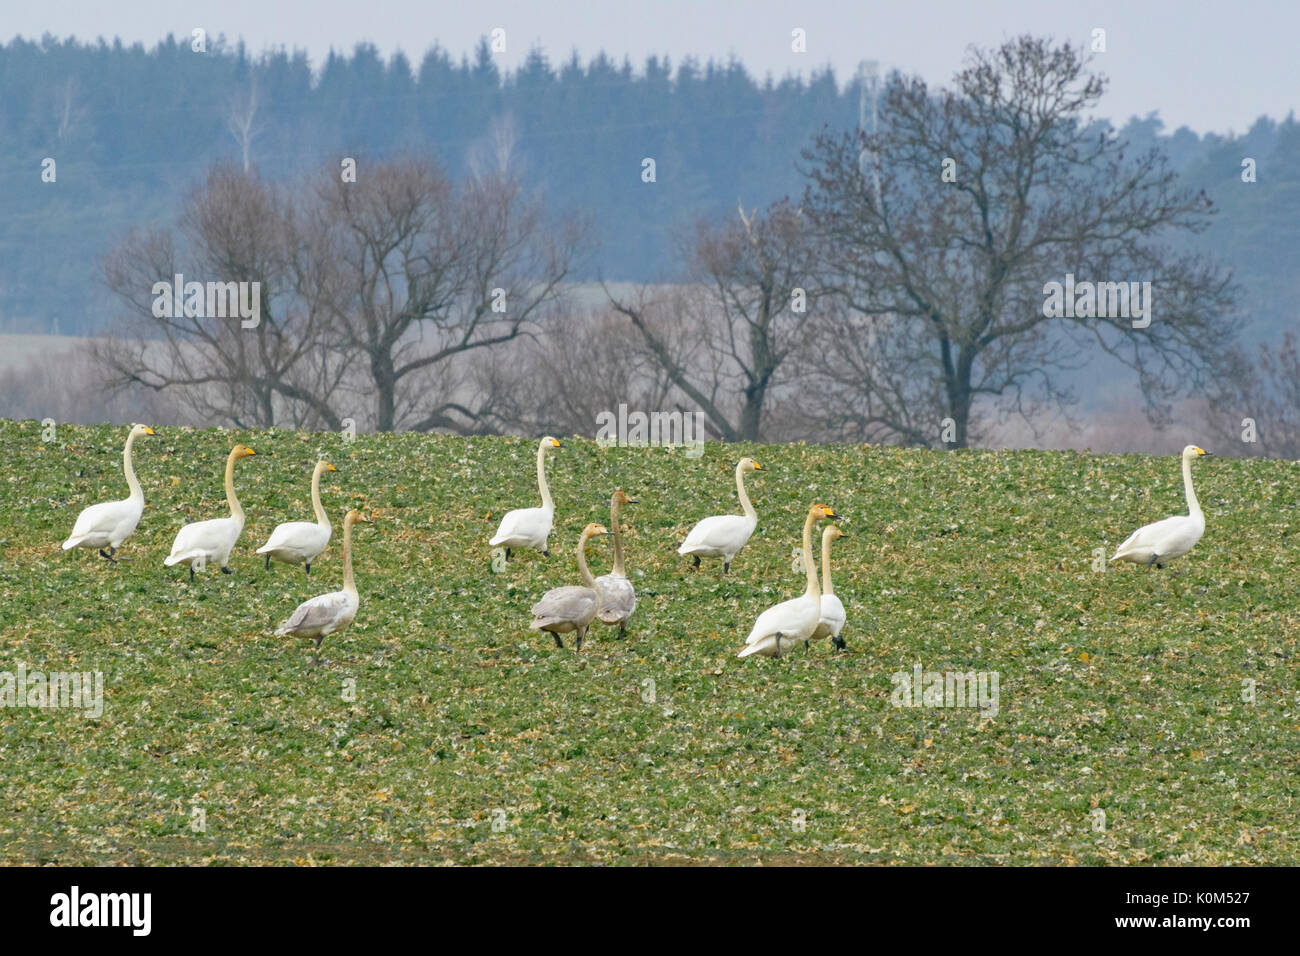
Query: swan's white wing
1169	538
101	521
718	535
524	528
304	539
832	616
209	539
617	598
795	619
324	613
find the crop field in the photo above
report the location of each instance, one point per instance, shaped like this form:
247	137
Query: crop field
1143	716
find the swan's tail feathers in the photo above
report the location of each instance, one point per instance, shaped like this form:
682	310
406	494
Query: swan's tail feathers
497	539
178	556
264	548
748	649
282	630
682	548
73	542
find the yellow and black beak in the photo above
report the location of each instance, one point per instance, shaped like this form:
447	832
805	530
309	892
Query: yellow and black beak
149	431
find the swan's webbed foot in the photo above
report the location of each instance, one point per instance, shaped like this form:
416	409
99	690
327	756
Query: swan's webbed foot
838	642
108	555
546	552
226	570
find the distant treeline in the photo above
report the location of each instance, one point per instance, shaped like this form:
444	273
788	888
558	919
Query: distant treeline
133	130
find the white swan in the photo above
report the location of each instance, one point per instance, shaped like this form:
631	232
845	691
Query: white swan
530	527
796	619
111	522
328	614
832	617
574	607
204	542
722	536
1159	542
300	542
617	596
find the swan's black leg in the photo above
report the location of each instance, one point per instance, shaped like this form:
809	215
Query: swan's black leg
697	562
507	554
622	629
1153	560
307	565
108	554
582	632
778	643
726	567
805	645
268	563
558	643
191	574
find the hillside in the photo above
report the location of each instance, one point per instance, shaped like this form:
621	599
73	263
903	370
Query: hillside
1120	691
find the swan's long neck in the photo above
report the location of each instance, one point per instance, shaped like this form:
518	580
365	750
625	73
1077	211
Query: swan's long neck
744	498
349	584
1193	506
542	486
236	510
826	562
809	566
322	518
137	494
618	539
585	574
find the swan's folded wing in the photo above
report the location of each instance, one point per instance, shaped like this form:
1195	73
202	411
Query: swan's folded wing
717	532
617	598
1151	533
98	519
523	523
569	603
319	612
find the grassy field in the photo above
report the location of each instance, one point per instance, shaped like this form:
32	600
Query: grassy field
473	740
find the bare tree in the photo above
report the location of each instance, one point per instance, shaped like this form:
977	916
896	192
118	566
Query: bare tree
986	193
369	291
1256	408
753	285
413	272
231	230
241	119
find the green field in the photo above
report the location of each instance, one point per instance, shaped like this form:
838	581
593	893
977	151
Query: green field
1120	691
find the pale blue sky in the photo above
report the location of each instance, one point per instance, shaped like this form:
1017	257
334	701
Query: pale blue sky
1208	65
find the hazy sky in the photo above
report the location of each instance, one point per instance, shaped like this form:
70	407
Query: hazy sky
1208	65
